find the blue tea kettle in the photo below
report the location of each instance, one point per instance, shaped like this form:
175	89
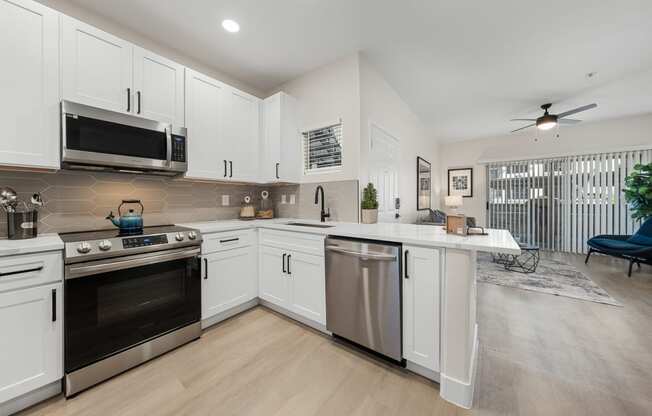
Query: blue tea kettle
131	222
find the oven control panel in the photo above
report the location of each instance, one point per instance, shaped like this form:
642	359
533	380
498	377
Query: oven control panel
143	241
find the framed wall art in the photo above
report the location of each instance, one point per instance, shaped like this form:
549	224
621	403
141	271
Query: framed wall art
460	182
424	184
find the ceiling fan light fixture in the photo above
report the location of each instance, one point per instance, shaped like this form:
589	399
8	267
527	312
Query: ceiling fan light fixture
230	26
547	122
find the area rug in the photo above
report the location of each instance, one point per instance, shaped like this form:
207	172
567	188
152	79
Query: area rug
553	277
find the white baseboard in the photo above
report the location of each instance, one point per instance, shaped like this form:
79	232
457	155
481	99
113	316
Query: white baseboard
459	392
222	316
422	371
29	399
319	327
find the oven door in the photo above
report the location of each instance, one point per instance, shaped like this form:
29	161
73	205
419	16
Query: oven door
93	137
114	304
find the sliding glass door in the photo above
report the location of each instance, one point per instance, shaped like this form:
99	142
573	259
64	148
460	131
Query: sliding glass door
559	203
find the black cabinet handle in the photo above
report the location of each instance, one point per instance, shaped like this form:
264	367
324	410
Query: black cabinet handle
284	262
35	269
289	257
205	269
405	259
230	168
228	240
138	95
54	305
225	169
277	177
128	99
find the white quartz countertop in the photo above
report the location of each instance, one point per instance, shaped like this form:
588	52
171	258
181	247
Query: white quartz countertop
44	242
498	241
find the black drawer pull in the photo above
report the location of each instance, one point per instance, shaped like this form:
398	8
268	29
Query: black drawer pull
277	177
230	168
128	100
228	240
289	257
54	305
138	94
36	269
225	169
284	262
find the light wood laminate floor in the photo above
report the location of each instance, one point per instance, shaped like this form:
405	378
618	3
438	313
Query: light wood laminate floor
539	355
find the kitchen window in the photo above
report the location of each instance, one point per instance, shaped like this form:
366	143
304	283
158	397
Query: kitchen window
322	148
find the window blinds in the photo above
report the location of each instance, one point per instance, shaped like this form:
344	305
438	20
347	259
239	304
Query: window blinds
558	204
323	148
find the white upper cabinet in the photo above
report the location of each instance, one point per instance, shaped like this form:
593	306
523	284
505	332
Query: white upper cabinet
29	81
281	158
158	88
421	294
205	101
242	135
96	67
101	70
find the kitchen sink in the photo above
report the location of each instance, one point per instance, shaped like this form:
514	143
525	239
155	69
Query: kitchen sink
307	224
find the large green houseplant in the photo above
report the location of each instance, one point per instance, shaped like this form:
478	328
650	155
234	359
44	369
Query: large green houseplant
369	205
638	191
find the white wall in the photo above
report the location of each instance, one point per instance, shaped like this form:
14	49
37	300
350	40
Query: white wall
595	137
324	96
74	10
382	106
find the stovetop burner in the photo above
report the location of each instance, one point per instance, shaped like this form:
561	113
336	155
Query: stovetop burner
99	244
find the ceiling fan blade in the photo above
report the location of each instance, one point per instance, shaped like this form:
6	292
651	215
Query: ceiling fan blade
568	121
524	127
577	110
523	119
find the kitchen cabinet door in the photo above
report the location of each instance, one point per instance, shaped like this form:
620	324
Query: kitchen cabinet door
229	280
29	110
281	160
421	300
205	100
242	135
96	67
272	275
158	88
308	286
31	341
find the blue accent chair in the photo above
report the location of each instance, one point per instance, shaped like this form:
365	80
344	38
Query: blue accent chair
636	248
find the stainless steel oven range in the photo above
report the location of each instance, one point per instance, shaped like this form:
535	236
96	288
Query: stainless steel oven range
127	299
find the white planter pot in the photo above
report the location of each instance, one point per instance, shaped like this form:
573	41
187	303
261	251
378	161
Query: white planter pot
369	216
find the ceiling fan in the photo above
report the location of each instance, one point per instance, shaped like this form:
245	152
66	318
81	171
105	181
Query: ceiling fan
548	121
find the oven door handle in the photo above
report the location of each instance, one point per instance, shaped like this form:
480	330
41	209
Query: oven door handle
103	266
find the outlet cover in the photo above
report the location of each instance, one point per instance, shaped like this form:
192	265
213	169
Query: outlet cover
284	199
293	199
225	200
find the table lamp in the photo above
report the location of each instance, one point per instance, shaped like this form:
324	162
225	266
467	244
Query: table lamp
454	202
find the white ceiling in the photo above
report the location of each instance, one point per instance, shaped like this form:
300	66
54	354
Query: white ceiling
465	66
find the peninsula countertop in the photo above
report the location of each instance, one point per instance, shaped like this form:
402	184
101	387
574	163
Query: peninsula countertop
498	241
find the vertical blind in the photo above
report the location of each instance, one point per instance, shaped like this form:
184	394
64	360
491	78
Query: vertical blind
559	203
322	148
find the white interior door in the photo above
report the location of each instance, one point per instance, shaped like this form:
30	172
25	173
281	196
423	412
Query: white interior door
384	156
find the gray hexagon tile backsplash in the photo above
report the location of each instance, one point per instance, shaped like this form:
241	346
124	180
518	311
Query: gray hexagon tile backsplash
79	201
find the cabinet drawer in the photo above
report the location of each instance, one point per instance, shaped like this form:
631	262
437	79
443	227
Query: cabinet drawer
30	270
287	240
228	240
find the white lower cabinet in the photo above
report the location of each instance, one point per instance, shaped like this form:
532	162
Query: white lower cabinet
421	300
229	279
32	339
307	286
294	281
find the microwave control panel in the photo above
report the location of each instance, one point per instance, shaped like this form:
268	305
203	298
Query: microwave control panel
178	148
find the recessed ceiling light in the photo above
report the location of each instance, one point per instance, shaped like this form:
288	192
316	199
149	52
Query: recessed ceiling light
230	25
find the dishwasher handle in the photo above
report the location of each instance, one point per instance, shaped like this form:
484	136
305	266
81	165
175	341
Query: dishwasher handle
368	255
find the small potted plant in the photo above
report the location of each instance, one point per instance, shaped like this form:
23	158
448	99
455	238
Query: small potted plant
369	205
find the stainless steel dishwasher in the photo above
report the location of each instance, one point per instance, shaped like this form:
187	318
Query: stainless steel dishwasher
363	293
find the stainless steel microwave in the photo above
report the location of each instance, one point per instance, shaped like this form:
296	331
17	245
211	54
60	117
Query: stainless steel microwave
97	139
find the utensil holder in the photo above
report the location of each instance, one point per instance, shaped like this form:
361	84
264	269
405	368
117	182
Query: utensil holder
22	225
